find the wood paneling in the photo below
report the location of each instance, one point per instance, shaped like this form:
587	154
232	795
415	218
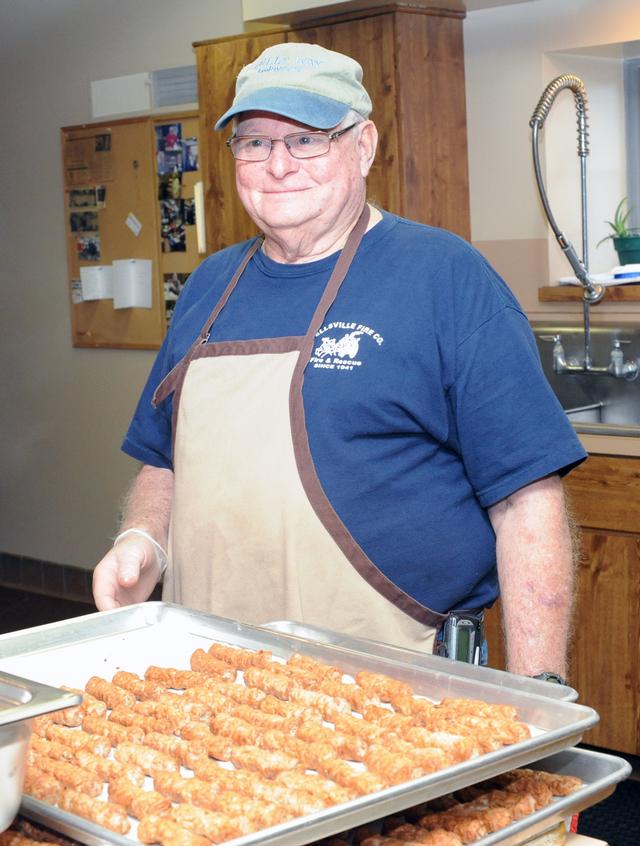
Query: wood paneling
371	42
219	63
606	653
431	120
604	493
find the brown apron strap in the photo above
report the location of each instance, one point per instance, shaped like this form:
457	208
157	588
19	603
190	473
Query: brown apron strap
172	379
333	286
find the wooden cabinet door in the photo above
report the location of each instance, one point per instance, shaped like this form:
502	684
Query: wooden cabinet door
370	42
218	64
605	658
432	120
413	65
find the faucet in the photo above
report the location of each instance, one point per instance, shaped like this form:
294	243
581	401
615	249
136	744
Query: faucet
617	367
592	293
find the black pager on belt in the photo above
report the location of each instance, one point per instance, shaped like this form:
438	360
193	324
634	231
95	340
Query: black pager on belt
461	636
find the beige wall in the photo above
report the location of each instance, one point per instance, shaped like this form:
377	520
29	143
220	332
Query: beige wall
63	411
511	54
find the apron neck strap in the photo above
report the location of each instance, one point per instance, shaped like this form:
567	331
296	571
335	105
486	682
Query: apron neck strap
335	280
203	337
170	382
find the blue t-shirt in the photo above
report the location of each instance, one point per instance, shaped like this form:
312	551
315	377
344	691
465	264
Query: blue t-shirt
424	398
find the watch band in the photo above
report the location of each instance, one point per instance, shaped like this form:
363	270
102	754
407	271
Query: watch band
554	678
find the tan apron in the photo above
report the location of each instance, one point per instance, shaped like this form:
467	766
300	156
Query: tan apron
253	536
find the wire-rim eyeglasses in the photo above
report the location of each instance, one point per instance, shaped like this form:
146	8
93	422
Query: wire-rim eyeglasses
301	145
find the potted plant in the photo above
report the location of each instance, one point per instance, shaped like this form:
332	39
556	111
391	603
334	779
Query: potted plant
626	240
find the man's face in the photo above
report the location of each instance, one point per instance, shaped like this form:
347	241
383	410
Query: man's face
284	192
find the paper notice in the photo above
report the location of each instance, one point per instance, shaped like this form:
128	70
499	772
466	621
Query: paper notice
76	291
133	223
132	283
97	282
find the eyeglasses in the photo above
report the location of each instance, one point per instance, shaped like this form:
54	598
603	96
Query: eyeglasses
301	145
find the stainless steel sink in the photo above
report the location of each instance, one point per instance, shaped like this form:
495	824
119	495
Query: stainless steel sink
595	403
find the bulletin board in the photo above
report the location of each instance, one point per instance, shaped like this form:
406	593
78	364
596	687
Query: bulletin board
129	194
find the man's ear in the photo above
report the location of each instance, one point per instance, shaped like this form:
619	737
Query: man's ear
367	144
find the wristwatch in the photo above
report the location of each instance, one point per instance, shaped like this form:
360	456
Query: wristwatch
554	678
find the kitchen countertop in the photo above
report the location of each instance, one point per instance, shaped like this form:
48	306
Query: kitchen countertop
610	444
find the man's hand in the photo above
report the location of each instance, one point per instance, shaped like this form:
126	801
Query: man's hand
127	574
130	570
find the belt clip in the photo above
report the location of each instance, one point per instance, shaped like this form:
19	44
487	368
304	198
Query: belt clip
460	636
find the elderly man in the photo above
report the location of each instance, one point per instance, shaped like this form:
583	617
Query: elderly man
347	424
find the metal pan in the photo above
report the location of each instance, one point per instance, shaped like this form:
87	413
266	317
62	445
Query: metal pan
422	659
20	700
134	637
599	772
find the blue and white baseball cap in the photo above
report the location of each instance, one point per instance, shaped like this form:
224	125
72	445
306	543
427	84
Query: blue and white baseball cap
303	82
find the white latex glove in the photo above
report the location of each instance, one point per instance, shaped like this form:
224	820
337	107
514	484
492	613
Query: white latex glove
127	574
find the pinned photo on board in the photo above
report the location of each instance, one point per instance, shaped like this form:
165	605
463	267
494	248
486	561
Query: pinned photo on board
169	161
84	221
170	186
80	198
101	196
173	285
103	142
88	247
172	226
190	154
189	212
169	137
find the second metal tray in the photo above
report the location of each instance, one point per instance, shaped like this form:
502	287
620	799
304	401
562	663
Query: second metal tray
422	659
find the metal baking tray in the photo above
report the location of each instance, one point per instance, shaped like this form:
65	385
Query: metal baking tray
156	632
423	659
20	700
599	772
23	699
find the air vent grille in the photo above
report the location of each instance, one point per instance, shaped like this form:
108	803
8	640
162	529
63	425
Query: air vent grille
174	86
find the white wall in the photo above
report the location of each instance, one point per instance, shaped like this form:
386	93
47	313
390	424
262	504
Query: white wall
606	162
63	411
511	54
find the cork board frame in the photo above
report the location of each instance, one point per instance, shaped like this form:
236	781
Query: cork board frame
110	176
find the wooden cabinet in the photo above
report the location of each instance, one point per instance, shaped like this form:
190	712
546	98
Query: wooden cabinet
414	71
604	494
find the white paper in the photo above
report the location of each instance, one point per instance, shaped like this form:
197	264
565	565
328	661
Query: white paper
133	223
604	279
76	291
132	283
198	195
97	282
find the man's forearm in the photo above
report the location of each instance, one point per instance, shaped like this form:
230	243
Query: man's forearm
147	505
536	568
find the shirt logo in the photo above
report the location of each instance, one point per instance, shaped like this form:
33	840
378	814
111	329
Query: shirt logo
340	350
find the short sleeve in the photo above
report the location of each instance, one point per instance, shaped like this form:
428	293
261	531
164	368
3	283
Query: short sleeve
510	426
148	437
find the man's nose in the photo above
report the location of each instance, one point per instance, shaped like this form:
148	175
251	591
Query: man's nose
281	162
